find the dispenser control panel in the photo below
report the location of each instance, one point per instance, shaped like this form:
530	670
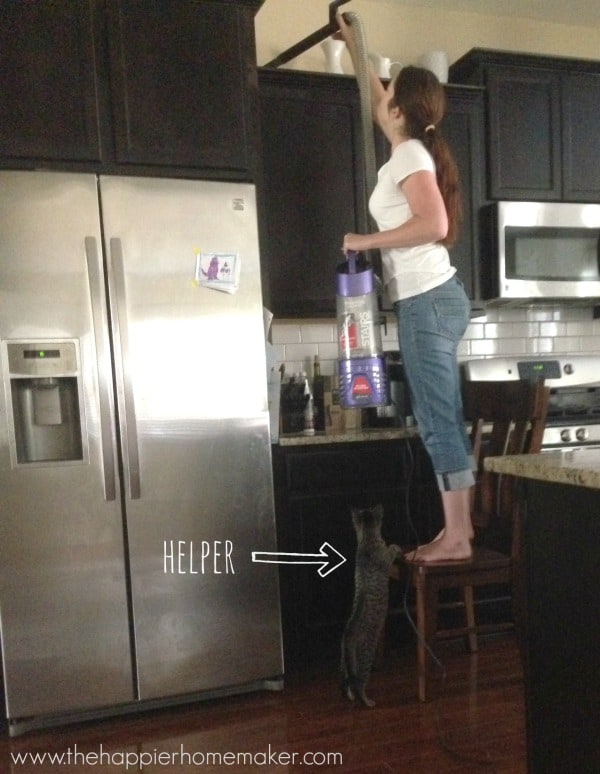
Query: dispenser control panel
39	358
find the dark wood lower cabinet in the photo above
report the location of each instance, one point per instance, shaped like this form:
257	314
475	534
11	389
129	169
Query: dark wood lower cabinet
562	632
315	490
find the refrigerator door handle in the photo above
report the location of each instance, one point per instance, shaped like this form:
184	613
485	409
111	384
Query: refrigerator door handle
100	324
117	274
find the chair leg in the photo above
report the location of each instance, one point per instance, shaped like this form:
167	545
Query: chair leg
427	603
471	638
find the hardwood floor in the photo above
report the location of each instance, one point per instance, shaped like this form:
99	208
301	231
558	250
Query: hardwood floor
476	724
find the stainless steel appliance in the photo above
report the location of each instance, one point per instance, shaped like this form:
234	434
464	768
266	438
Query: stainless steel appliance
135	465
574	381
541	250
398	412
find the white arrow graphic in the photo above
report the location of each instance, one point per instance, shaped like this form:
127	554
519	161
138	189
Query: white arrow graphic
328	557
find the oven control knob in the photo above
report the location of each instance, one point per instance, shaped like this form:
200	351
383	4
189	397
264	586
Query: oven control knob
565	435
568	368
582	434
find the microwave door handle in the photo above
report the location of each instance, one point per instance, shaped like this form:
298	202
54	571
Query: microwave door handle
121	335
100	331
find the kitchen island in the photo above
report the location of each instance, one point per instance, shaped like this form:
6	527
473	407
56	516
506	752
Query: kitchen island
561	493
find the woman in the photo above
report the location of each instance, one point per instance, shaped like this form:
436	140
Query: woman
416	206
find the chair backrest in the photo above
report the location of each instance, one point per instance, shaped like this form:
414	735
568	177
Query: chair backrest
507	417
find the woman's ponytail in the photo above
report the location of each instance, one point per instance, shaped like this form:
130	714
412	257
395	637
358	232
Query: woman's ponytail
421	97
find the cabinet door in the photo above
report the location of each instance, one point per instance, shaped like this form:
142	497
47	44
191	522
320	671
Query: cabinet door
315	609
524	133
463	128
581	129
311	187
47	81
182	72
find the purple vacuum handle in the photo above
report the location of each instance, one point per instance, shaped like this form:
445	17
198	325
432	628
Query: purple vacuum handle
351	256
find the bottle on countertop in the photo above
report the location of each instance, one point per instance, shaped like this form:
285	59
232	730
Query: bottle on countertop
309	420
318	395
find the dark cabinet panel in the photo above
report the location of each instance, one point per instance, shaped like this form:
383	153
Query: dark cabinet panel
48	81
581	129
105	84
180	80
543	120
312	184
463	127
315	490
524	133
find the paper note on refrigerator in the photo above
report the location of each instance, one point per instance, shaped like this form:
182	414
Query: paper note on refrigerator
219	271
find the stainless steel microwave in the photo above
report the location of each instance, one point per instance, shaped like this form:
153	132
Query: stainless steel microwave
541	250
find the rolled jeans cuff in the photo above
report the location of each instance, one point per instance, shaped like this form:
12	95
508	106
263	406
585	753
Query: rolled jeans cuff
458	479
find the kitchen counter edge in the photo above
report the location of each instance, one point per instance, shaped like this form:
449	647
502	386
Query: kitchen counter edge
351	436
579	467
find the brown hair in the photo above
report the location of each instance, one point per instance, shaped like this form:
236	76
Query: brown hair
421	98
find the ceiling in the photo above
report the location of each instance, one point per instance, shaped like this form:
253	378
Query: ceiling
577	12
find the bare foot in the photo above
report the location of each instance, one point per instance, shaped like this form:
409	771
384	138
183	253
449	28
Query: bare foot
441	550
441	533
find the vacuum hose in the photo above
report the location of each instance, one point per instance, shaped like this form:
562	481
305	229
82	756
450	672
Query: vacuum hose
366	111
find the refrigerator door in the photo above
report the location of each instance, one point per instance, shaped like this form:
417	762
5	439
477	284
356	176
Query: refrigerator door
63	601
192	402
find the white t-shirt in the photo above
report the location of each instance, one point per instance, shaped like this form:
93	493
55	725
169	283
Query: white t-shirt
407	271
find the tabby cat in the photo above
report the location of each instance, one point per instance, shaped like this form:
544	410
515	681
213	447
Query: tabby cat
371	577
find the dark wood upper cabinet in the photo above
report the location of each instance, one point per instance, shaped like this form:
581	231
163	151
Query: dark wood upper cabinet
524	133
48	81
311	186
543	121
312	191
463	127
182	73
581	130
167	85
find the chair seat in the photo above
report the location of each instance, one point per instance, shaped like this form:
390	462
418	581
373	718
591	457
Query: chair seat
482	559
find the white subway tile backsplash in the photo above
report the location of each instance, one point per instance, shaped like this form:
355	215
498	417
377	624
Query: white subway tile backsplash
287	332
576	329
503	331
567	344
553	329
315	333
506	347
539	346
480	347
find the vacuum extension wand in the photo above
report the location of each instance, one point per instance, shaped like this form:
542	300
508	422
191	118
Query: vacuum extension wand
311	40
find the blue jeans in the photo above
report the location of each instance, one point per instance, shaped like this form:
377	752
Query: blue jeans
430	327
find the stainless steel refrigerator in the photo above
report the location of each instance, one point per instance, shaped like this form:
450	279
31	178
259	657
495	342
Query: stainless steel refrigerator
135	468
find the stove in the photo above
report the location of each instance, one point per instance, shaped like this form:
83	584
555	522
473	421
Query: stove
574	381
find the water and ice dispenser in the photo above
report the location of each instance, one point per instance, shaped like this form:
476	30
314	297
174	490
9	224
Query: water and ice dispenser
45	423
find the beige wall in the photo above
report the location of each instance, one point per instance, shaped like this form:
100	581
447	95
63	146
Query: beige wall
403	33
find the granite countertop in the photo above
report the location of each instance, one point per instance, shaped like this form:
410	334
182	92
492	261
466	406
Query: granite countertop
351	436
580	467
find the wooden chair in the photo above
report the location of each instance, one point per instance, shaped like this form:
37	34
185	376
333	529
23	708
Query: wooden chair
507	418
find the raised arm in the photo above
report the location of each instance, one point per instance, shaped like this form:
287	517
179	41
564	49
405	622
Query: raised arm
347	34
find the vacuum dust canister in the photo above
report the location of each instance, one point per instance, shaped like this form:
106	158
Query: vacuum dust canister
361	366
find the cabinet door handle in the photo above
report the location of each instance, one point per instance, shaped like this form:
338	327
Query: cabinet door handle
117	289
100	330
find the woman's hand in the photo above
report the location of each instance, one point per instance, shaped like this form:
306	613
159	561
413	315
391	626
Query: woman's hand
345	33
356	243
